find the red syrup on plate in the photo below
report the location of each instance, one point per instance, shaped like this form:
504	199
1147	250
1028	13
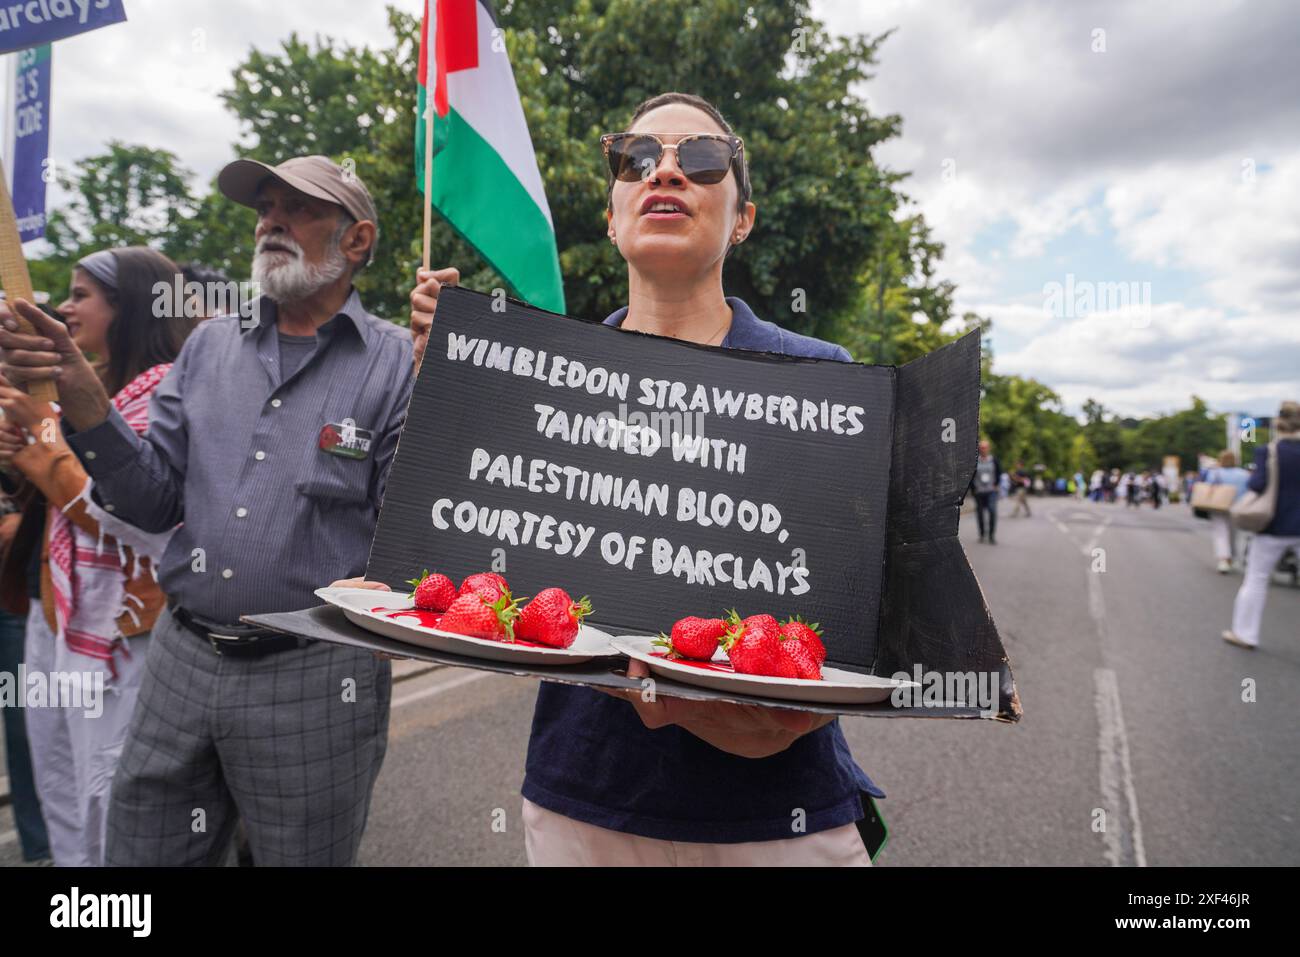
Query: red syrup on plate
706	665
431	619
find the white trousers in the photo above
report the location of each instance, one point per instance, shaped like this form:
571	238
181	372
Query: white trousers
1222	530
75	749
1248	609
554	840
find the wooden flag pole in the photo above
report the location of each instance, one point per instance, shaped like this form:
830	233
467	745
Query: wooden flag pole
428	174
15	278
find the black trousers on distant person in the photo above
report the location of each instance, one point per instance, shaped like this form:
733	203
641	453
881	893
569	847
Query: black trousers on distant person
987	502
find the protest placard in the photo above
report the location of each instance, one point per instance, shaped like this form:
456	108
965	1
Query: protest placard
666	479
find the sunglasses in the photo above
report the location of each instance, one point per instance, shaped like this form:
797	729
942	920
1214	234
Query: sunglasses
705	158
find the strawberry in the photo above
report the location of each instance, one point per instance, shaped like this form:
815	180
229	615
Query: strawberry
765	623
479	616
552	618
433	592
803	657
795	629
489	582
754	647
693	637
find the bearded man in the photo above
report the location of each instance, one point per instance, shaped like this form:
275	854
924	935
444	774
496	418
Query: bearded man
269	442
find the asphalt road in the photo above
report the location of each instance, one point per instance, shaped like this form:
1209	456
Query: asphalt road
1133	711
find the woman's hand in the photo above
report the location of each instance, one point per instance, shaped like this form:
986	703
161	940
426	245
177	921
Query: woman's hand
24	417
22	410
745	730
424	300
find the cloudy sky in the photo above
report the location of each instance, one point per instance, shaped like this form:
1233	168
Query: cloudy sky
1118	184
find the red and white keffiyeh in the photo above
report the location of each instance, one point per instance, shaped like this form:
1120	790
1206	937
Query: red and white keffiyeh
89	575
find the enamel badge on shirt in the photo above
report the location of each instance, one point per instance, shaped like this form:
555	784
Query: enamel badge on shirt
346	440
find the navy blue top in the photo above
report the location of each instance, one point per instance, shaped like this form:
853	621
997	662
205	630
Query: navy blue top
1286	519
590	757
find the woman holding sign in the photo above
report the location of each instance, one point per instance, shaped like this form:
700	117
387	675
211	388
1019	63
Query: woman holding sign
612	779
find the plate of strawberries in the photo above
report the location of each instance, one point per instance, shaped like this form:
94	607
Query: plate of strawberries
756	655
479	617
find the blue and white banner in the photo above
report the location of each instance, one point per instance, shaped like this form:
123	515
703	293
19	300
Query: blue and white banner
28	127
33	22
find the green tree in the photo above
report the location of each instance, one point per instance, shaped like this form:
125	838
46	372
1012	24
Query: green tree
902	308
1187	434
786	85
1024	421
129	195
1105	435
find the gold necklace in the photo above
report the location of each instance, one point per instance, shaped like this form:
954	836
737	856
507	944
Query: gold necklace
709	341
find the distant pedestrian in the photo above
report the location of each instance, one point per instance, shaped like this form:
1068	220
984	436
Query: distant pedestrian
1282	533
1021	481
1227	472
984	485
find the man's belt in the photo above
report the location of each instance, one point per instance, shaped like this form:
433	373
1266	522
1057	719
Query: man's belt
245	641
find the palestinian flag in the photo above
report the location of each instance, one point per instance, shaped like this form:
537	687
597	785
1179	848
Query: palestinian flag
485	178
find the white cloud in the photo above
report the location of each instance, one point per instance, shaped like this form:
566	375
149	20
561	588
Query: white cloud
1235	225
1137	362
156	79
1048	139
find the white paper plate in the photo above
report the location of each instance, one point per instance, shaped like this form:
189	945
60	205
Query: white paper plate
358	605
837	686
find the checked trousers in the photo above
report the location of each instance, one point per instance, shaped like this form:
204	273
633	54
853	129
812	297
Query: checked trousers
291	742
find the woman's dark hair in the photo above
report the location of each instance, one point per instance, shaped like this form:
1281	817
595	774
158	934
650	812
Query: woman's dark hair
149	326
739	165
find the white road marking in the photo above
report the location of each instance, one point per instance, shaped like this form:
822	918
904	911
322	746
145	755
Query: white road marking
1123	833
440	688
1096	603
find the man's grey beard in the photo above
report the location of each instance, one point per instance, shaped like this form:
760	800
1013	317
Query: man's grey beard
296	280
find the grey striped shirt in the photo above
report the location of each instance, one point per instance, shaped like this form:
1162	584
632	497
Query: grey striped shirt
233	453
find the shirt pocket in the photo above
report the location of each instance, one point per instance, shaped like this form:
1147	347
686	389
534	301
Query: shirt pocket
332	480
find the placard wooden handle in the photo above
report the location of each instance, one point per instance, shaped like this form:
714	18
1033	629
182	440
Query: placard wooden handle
15	278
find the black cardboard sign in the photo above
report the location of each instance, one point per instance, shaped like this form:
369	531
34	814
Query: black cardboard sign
853	476
659	477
